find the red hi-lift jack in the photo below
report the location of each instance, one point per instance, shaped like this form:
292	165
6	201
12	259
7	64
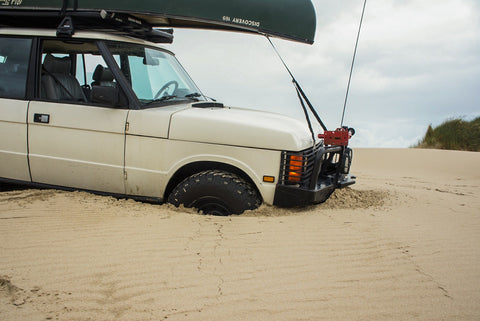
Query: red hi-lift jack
338	137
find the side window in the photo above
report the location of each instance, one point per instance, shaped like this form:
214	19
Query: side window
93	70
77	72
14	57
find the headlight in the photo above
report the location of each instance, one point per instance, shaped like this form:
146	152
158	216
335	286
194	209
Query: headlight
295	168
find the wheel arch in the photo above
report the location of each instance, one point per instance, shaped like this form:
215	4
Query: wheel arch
200	166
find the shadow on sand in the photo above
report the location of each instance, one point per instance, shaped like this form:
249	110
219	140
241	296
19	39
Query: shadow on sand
7	187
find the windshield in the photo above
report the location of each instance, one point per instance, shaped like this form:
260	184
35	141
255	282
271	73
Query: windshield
155	75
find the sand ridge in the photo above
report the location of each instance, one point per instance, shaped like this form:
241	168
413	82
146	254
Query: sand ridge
396	246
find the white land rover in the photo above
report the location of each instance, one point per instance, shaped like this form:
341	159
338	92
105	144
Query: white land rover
113	114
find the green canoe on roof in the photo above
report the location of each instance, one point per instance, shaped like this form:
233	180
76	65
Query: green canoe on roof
289	19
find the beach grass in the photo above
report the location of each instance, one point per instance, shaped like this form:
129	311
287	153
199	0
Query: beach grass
453	134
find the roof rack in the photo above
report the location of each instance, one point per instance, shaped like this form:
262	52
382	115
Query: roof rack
66	24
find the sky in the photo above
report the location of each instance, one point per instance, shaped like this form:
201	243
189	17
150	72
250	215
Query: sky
418	63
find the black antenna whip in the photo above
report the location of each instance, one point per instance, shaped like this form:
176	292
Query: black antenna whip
353	62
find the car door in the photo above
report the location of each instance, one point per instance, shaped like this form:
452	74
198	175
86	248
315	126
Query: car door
14	58
72	142
77	146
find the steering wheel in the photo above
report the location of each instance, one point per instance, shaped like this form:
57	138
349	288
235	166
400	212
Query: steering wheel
165	87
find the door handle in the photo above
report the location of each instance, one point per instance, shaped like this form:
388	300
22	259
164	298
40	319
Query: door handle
41	118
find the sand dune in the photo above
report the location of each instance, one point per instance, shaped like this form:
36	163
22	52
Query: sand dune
401	244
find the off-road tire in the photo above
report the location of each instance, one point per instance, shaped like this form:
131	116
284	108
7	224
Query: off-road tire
215	192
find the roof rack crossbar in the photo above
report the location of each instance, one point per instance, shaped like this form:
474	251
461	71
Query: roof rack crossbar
66	25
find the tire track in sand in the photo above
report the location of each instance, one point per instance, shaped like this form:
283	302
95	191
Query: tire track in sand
94	257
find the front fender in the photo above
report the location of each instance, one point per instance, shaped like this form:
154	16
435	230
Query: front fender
151	163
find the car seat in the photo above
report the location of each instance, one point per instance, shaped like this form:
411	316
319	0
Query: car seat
57	82
103	76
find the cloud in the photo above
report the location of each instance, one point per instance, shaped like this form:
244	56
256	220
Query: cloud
417	64
415	41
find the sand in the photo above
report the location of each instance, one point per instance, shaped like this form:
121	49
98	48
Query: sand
401	244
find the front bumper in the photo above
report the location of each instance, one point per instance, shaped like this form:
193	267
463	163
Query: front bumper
327	168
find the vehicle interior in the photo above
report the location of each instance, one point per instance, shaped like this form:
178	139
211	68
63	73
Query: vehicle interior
75	71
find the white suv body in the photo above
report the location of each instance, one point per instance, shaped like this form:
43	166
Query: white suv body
139	127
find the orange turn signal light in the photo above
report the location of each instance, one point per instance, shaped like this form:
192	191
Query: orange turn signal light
296	163
269	179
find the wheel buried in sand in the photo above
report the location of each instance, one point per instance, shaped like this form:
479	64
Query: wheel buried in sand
215	192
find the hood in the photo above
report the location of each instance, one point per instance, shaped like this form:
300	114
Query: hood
240	127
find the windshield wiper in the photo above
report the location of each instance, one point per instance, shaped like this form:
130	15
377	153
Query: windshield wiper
193	96
164	98
167	97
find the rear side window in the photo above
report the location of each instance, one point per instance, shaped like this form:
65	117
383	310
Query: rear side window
14	57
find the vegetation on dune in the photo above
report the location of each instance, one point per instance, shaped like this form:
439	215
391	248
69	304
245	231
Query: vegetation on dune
454	134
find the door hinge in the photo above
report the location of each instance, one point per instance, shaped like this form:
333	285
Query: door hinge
125	175
127	126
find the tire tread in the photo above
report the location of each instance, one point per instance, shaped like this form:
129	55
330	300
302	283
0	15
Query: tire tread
244	195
